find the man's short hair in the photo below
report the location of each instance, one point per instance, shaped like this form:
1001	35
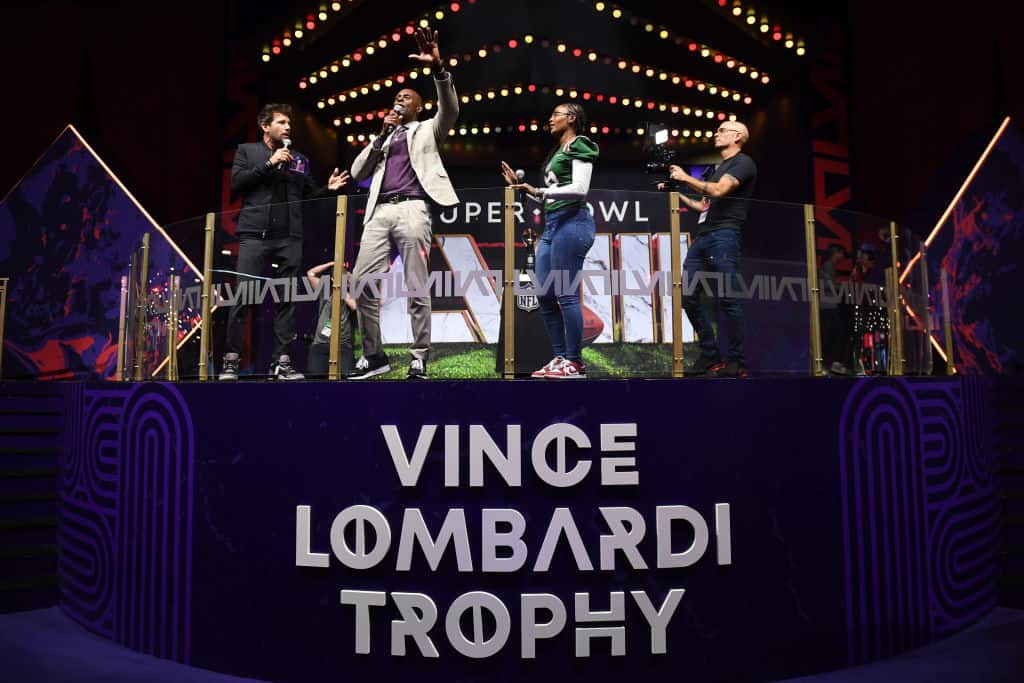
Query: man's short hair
266	115
744	132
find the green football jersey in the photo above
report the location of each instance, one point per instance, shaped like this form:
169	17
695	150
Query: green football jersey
559	168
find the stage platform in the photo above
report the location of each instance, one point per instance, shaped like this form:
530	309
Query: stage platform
735	530
45	645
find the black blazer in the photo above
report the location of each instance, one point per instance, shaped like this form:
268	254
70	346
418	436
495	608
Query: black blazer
252	179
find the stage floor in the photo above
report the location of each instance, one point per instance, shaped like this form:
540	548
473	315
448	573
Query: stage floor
45	645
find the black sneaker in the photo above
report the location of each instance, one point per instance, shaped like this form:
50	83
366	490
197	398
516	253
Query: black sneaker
733	368
282	370
370	367
704	366
229	369
417	369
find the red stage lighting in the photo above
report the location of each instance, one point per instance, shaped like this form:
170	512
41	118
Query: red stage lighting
577	52
455	7
513	43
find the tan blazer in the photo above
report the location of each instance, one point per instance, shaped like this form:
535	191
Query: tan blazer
424	139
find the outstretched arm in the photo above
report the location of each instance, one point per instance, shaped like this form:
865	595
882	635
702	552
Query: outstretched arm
447	101
718	188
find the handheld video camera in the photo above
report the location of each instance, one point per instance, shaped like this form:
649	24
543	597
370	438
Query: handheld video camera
659	155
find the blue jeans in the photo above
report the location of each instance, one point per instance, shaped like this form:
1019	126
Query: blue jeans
715	252
568	236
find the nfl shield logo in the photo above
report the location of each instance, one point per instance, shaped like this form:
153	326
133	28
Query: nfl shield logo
527	302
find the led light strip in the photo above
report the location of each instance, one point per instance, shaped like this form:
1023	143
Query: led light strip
391	38
664	33
559	48
375	86
656	74
681	135
960	193
302	27
571	93
747	17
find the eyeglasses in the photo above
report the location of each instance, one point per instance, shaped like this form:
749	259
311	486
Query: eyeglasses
726	130
560	113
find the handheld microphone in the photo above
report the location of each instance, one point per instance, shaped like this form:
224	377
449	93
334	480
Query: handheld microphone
287	144
521	177
398	109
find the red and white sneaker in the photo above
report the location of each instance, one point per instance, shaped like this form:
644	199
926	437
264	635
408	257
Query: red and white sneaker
569	369
546	370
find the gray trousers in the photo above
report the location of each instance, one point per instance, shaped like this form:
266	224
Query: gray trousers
408	225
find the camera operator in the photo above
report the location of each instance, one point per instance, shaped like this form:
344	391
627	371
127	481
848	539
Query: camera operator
723	211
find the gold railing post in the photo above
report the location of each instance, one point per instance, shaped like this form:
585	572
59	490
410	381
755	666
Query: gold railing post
205	324
122	323
927	313
677	285
508	295
173	283
3	317
896	330
127	337
892	284
947	323
337	276
813	293
140	322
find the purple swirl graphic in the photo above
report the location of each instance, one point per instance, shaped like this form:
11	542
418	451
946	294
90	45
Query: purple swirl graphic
125	543
155	543
919	512
87	519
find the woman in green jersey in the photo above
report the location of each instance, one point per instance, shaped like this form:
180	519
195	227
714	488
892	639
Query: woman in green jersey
568	236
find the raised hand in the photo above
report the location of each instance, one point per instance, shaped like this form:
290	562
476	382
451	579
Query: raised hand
426	42
338	180
508	174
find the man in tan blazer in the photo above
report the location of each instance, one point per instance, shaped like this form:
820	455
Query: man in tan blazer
408	177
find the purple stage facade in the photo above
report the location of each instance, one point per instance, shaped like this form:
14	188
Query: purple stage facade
731	530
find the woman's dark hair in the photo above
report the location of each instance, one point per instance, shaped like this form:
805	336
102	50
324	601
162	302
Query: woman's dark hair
579	127
581	116
266	115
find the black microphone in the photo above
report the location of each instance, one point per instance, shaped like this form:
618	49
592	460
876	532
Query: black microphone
398	109
287	143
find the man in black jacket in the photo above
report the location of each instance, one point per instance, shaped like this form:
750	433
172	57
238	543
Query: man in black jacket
272	181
